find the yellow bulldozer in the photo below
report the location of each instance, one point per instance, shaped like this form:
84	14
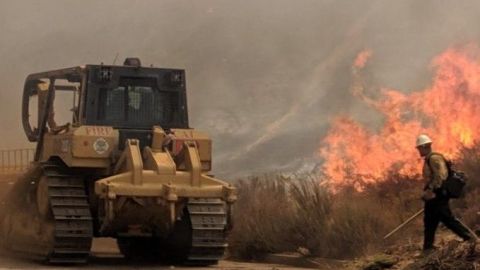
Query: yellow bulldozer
125	164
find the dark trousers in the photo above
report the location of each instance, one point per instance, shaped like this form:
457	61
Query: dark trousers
436	211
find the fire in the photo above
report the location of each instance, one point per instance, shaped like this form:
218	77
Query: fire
448	111
362	59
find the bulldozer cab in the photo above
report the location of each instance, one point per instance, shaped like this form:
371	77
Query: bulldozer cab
135	98
129	98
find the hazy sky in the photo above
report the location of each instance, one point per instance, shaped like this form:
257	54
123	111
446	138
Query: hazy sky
264	77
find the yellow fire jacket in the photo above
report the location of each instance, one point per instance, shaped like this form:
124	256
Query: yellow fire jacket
436	173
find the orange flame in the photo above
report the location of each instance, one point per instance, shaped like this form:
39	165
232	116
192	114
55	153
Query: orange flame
362	59
448	111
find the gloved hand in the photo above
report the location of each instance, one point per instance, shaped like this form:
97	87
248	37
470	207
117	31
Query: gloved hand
428	195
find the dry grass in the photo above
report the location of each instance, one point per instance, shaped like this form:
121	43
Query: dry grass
279	214
260	230
469	206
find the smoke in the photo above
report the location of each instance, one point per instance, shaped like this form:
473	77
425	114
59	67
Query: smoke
264	78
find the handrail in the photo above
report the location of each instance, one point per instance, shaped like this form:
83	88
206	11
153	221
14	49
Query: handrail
15	160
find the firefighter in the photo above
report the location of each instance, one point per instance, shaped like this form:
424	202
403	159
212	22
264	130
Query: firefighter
437	208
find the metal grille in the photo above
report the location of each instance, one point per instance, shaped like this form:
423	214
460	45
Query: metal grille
140	104
134	105
147	105
15	160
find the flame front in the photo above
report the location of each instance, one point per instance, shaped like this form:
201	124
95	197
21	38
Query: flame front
448	111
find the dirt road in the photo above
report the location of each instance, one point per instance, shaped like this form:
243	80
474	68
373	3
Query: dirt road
100	263
105	255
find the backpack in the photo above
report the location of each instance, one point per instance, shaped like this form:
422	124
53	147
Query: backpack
454	186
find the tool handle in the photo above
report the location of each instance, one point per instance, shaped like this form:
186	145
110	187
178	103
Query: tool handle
403	224
474	235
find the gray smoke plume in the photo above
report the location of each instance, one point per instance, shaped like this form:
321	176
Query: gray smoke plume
264	77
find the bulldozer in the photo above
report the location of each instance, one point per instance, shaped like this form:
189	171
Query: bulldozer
125	164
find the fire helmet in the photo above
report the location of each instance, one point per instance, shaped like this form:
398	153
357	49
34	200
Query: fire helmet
422	140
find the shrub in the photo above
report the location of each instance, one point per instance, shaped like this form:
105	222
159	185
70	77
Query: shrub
262	218
278	213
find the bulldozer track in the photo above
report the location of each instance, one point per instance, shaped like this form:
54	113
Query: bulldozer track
208	218
69	206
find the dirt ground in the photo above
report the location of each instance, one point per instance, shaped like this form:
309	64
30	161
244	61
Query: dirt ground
105	255
6	181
